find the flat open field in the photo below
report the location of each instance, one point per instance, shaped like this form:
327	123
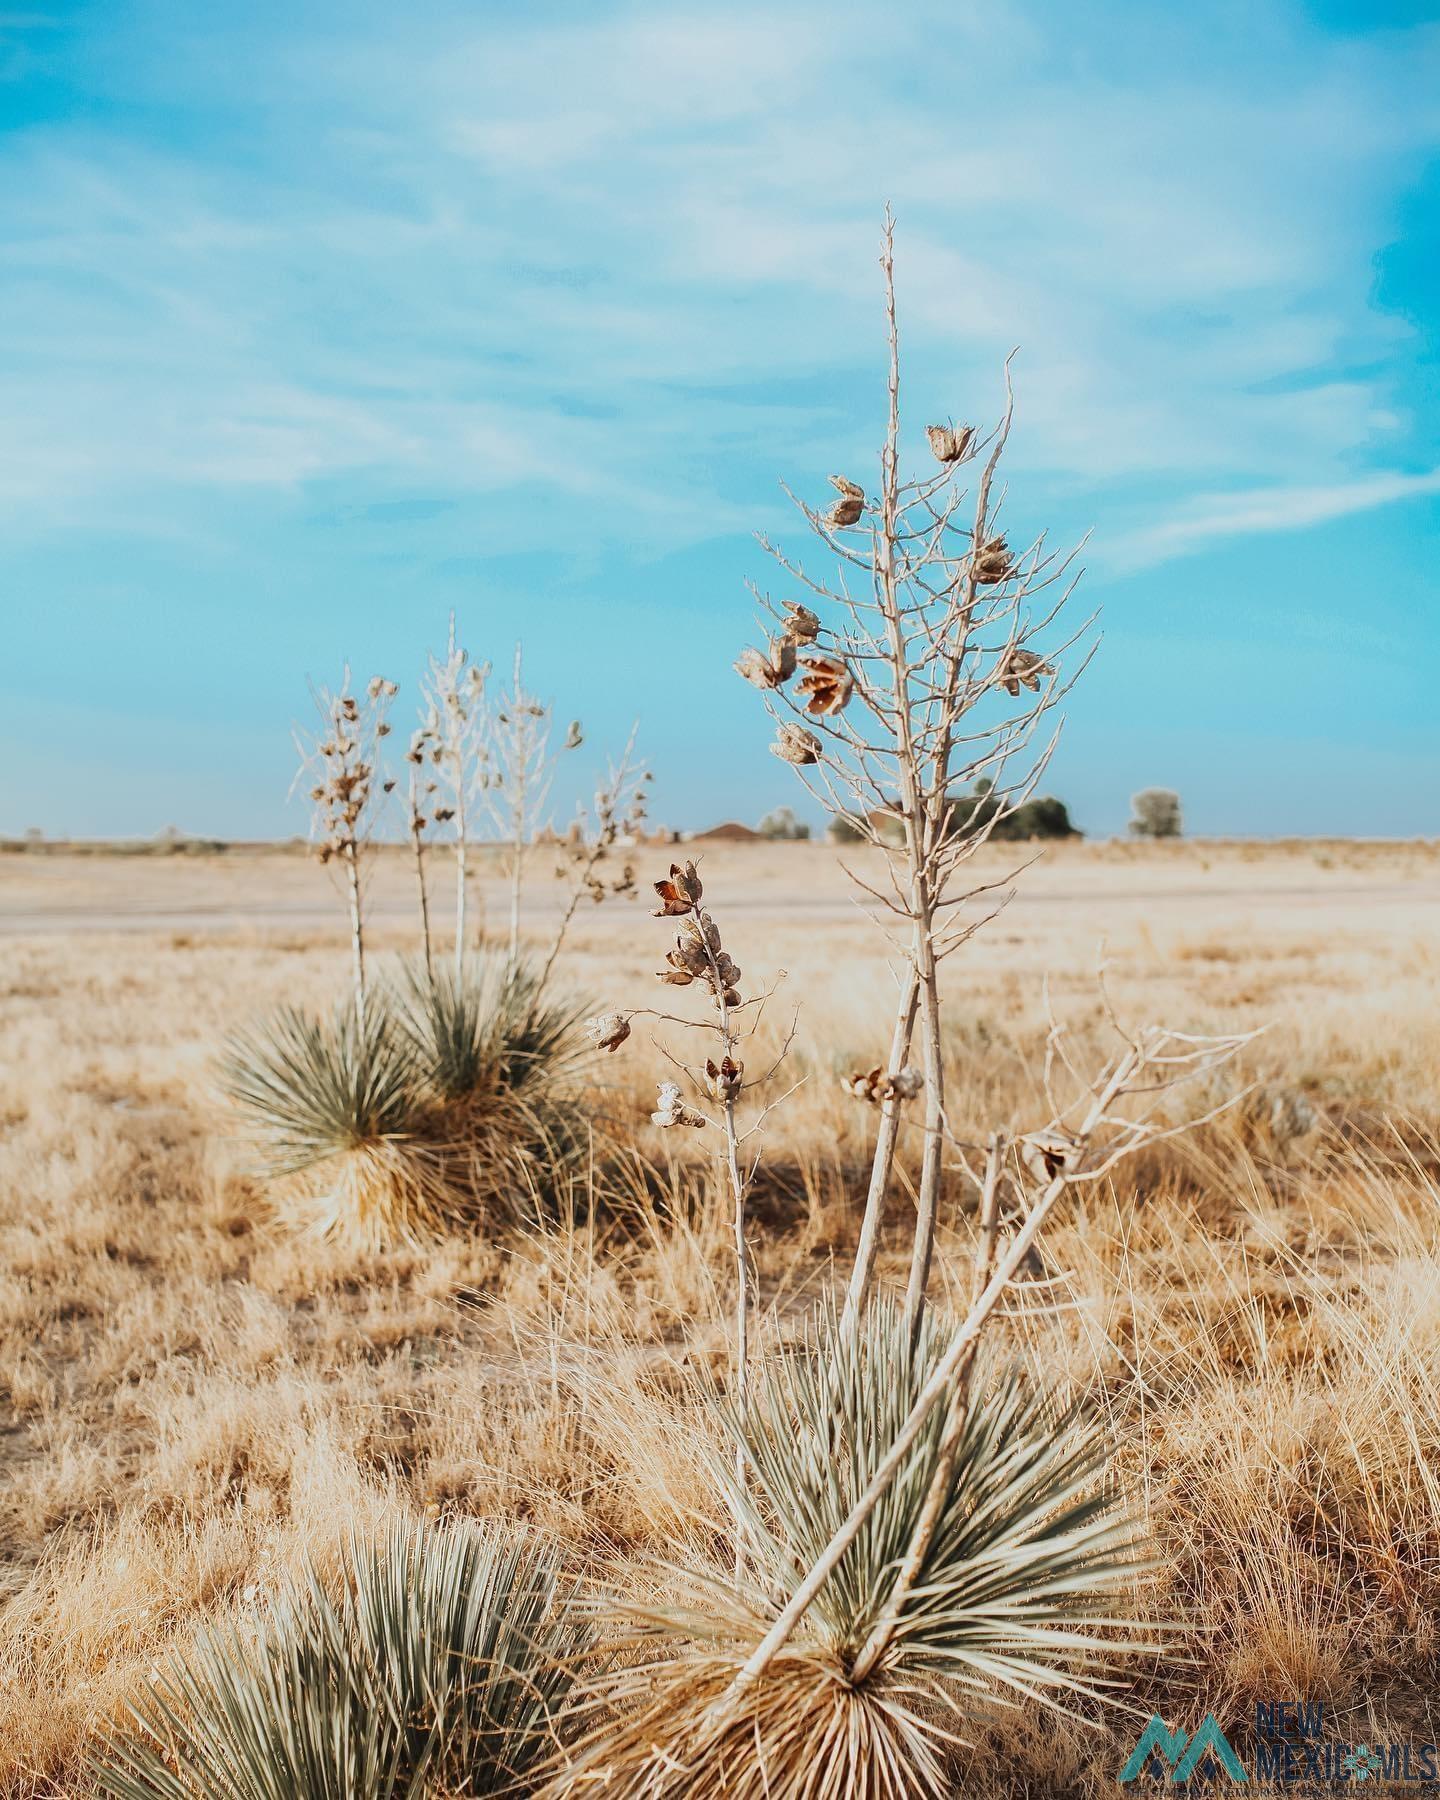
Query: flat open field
191	1400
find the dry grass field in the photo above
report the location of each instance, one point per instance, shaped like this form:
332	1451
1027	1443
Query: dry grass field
194	1401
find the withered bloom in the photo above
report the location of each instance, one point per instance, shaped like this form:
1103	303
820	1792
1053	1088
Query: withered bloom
770	670
608	1030
828	686
846	511
1047	1153
672	1110
948	443
993	562
1022	668
797	745
874	1085
850	490
801	625
679	893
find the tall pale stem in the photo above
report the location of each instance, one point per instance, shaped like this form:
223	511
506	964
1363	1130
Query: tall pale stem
742	1313
419	845
936	1495
930	1165
882	1163
461	869
357	930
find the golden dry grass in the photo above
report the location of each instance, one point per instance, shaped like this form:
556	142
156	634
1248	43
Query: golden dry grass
193	1401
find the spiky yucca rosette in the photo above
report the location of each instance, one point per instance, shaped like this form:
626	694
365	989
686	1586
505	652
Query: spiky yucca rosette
1016	1594
446	1103
438	1662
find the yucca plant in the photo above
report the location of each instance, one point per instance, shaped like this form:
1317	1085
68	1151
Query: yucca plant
495	1054
313	1088
1030	1556
438	1664
336	1111
487	1028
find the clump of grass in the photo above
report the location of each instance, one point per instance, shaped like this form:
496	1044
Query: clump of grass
438	1664
1030	1555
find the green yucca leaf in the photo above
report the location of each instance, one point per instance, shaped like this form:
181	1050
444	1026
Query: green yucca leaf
487	1027
1030	1544
439	1665
312	1088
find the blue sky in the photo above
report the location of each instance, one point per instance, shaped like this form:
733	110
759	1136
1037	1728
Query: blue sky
319	321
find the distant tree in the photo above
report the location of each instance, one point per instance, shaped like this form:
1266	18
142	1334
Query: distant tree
1156	813
783	825
1042	817
844	829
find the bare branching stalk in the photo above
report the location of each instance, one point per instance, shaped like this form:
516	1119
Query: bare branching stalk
453	727
618	818
1061	1156
521	771
418	822
903	723
700	957
342	760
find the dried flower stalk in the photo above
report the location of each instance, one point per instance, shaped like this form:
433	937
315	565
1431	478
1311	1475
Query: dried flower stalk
452	728
342	761
928	622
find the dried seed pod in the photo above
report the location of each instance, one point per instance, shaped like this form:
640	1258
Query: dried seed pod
574	736
850	489
950	443
845	511
864	1084
770	670
725	1079
992	562
679	892
800	624
1019	668
608	1030
796	745
905	1084
828	686
1048	1153
672	1110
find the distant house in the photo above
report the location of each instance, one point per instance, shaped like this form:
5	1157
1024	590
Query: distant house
731	832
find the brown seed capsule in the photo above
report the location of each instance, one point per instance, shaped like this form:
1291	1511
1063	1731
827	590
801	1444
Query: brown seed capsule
845	511
992	562
827	687
1019	668
905	1084
850	489
796	745
725	1079
800	624
608	1030
950	443
770	670
679	893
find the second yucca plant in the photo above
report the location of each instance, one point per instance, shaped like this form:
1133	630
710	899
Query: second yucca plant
438	1663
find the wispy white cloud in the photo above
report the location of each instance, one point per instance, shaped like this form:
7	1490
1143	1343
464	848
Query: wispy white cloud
610	257
1211	518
